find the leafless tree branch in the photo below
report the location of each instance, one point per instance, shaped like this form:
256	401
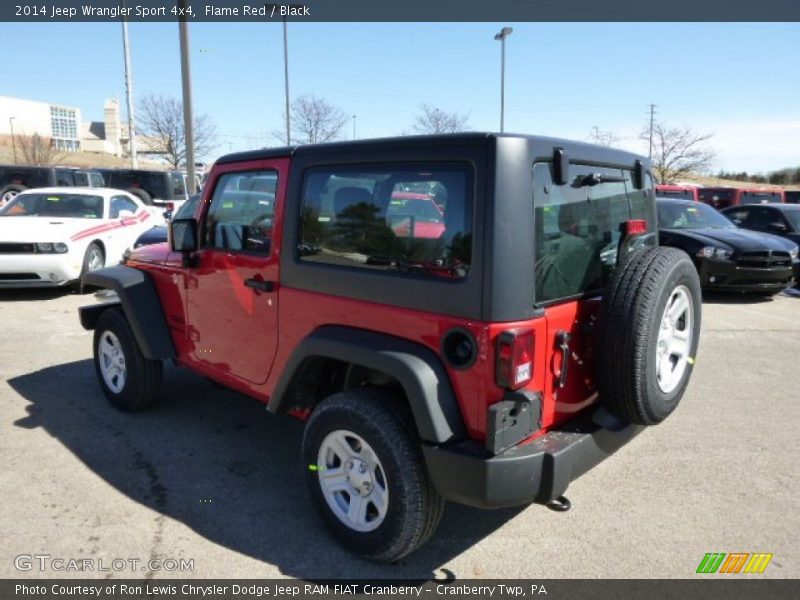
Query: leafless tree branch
436	120
313	121
678	151
37	150
161	124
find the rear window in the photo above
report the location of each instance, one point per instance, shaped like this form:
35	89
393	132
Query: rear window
578	228
759	197
66	206
413	219
717	198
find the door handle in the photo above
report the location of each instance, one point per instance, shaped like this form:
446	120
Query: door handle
563	338
260	285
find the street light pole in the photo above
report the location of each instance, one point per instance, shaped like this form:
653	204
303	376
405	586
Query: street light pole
129	91
286	82
13	138
354	127
186	77
504	33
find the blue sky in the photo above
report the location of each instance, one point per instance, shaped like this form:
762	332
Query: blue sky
738	81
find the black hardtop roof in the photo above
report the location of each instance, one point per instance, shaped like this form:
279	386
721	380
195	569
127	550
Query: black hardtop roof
600	153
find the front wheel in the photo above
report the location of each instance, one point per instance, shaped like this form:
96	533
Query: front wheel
366	475
129	380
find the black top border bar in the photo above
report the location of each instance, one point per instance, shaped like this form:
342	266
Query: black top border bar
254	11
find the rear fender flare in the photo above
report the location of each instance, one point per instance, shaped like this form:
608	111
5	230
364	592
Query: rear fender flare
418	370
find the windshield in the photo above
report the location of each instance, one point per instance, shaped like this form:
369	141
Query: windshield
188	209
67	206
678	215
794	218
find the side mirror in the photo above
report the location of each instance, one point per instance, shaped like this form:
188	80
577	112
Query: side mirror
778	227
125	214
183	235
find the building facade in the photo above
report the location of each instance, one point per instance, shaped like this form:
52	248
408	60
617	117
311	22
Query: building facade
64	126
61	124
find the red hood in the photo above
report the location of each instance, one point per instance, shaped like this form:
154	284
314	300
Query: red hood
151	253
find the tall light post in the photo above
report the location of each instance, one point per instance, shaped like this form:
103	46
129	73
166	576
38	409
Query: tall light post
354	127
129	91
186	77
13	138
504	33
286	82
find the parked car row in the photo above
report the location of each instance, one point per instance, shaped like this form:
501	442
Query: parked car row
722	197
743	258
166	190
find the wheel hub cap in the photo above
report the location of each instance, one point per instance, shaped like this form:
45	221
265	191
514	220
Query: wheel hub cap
352	480
674	339
111	361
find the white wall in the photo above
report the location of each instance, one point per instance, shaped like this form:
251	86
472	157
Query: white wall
29	117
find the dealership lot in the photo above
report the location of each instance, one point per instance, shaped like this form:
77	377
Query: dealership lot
208	476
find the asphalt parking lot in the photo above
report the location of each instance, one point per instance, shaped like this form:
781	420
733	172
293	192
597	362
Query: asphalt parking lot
209	476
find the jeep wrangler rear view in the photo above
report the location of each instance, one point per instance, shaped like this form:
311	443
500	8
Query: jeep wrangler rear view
478	318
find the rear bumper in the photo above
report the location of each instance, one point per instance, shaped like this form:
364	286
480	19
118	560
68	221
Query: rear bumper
536	472
725	275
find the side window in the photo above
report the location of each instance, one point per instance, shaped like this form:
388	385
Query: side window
407	219
240	218
119	203
178	185
96	180
738	216
64	177
577	228
760	218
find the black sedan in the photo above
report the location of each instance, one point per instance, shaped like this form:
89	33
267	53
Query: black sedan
774	218
727	258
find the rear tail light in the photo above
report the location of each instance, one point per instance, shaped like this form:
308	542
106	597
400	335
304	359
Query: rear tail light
635	227
514	367
170	206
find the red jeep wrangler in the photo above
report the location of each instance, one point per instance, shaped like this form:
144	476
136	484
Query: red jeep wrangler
489	363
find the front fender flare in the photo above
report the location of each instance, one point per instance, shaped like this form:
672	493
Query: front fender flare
139	300
418	370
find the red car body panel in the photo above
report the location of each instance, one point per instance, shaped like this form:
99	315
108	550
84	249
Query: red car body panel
722	197
687	192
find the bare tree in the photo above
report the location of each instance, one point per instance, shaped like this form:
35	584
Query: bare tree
436	120
678	151
37	150
603	138
314	120
161	124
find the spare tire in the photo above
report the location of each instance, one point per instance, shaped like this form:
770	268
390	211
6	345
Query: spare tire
142	195
10	191
648	330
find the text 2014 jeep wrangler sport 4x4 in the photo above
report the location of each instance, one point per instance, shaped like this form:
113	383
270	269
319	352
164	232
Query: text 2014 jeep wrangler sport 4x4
478	318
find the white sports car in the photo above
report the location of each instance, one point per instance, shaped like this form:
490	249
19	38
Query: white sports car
51	236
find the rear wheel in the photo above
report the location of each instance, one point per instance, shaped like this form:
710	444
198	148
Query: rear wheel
649	329
366	475
129	380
